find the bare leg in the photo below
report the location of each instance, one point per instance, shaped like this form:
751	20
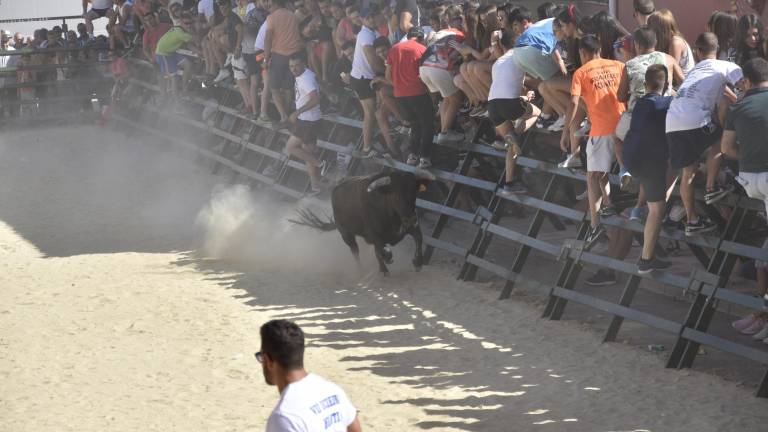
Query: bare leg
594	193
369	116
687	193
449	108
652	228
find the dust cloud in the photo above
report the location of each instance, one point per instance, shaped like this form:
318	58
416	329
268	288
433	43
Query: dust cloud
253	228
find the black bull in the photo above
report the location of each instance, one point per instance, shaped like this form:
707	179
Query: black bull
380	208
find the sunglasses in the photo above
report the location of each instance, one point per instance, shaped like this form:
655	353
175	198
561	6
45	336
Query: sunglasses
259	356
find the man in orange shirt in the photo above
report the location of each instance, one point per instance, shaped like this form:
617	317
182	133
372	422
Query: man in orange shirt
596	82
282	40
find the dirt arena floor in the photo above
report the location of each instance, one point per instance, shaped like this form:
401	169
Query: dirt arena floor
133	284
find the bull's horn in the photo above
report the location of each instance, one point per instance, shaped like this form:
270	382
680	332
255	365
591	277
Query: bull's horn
384	181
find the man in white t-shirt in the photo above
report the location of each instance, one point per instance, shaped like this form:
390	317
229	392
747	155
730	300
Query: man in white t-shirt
308	403
305	121
99	9
691	130
365	66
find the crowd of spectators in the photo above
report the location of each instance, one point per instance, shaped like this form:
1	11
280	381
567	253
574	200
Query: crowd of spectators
651	105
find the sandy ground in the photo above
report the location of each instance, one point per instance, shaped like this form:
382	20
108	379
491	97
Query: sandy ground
108	322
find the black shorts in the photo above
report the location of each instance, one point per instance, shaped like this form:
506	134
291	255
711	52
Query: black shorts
280	76
362	88
306	131
653	177
501	110
252	66
686	147
101	13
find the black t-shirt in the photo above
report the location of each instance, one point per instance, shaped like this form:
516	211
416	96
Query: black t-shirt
749	118
408	6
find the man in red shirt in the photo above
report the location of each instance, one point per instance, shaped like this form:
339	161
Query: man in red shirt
403	63
153	31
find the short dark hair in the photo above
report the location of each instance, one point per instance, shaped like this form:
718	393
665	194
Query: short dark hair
297	56
590	43
381	41
283	342
520	14
706	43
645	37
644	7
546	10
756	70
656	77
507	38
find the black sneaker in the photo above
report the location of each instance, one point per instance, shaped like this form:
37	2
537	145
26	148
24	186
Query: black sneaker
704	225
602	278
719	192
514	188
593	236
645	266
607	211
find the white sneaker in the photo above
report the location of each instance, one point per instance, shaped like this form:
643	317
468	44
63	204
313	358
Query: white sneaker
228	62
572	161
449	136
223	74
762	334
558	125
677	212
582	196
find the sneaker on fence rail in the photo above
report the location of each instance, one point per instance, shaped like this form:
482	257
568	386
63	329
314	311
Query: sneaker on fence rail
645	266
271	170
425	163
593	235
762	334
719	192
755	327
745	322
514	188
582	196
365	154
703	225
545	121
264	120
223	74
500	145
558	125
637	214
477	111
602	278
607	210
572	161
449	136
413	159
312	193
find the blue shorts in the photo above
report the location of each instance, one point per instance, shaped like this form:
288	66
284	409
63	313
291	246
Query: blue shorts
169	64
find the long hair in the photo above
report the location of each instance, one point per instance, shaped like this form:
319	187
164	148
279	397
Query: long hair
742	49
483	34
607	29
664	24
723	25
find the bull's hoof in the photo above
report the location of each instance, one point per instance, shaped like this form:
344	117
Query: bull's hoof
384	273
417	264
387	255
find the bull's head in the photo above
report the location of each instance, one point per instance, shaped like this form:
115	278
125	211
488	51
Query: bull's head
399	190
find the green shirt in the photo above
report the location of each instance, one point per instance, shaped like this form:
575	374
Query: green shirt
172	40
749	118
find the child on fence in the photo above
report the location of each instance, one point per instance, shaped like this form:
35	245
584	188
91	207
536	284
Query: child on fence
646	156
169	60
597	84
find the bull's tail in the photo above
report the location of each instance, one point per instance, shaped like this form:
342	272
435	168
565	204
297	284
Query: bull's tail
310	219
